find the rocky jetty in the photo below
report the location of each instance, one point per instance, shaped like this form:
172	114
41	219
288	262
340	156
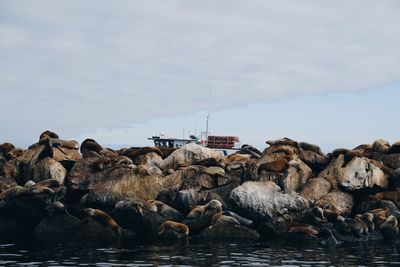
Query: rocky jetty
59	189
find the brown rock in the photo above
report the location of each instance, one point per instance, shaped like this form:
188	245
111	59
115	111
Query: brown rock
315	188
337	201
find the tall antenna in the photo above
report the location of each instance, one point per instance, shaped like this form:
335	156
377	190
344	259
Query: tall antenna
209	102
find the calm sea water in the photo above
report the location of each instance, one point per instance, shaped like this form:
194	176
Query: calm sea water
196	253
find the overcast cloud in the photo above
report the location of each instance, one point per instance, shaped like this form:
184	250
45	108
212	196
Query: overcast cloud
79	66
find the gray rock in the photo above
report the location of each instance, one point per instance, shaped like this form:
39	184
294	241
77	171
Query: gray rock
224	231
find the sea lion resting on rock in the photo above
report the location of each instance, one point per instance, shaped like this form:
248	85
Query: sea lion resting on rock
301	228
199	210
237	158
368	218
390	227
283	142
166	211
279	165
104	219
393	196
174	226
140	206
90	148
221	217
104	163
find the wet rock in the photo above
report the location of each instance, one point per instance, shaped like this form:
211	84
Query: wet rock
315	188
9	227
357	173
263	203
190	154
337	201
27	205
61	225
48	168
89	229
224	230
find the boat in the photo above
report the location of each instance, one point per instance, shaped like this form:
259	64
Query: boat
226	144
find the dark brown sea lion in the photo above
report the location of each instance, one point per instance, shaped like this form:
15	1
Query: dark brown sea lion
175	226
48	134
90	148
283	142
279	165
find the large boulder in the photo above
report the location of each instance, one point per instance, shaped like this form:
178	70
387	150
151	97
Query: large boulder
296	175
226	231
121	179
315	189
266	205
337	201
48	168
358	173
188	155
27	205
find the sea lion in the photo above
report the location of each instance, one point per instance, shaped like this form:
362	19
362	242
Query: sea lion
380	146
104	219
342	225
350	155
240	219
214	171
338	151
394	149
247	149
50	183
221	217
302	228
90	148
174	226
5	148
48	134
283	142
389	228
279	165
166	211
368	219
359	219
199	210
55	208
310	147
393	196
103	163
328	238
356	227
316	216
237	158
211	162
134	152
138	205
15	153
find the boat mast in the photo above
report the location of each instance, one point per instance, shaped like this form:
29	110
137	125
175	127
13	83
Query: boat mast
209	104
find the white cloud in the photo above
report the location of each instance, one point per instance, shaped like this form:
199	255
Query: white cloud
94	65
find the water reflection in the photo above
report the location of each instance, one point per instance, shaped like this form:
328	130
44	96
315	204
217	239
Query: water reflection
196	253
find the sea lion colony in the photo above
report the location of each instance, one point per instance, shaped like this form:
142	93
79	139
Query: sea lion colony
56	187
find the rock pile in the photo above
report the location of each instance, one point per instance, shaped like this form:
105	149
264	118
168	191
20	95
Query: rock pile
59	189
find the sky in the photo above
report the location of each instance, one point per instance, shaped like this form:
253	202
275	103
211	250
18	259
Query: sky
326	72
